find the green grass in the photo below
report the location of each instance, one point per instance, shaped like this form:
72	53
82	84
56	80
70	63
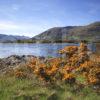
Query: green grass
25	89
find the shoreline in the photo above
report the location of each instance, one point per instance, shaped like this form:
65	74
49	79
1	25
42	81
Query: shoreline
15	61
49	42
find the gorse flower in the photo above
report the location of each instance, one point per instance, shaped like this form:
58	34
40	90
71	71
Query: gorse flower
77	62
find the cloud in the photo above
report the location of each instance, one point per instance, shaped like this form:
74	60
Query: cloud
27	29
8	26
16	7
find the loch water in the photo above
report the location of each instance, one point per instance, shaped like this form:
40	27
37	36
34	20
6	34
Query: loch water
46	49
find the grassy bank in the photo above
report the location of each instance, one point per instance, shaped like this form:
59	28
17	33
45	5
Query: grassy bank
25	89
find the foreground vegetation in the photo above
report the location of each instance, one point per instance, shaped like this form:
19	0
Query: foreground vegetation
73	76
26	89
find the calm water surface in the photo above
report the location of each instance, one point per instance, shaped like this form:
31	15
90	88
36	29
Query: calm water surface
49	49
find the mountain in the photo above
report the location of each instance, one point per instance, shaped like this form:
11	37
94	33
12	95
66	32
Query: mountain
89	32
11	38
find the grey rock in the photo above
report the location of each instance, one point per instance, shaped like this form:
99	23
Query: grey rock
14	61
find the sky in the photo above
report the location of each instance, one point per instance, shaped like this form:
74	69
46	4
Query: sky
31	17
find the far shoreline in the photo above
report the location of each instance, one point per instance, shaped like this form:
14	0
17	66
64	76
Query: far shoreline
49	42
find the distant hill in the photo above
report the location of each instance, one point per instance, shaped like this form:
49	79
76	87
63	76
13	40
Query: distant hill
89	32
11	38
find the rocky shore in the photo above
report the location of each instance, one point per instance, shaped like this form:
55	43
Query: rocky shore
15	61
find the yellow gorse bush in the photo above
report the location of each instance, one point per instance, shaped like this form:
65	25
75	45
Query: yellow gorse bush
77	62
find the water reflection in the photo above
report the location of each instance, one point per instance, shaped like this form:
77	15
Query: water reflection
48	49
97	48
